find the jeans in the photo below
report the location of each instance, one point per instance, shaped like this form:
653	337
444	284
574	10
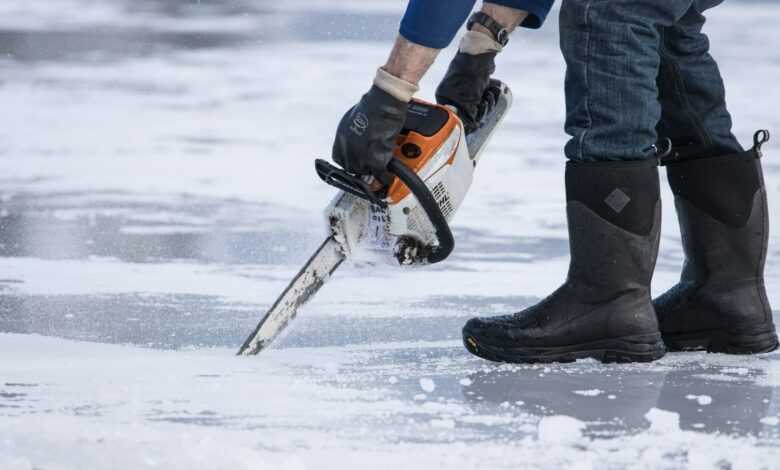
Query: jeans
639	71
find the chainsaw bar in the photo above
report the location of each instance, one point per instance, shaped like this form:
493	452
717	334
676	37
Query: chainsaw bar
304	285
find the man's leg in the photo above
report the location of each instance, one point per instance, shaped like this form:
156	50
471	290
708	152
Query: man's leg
720	303
691	91
604	309
611	48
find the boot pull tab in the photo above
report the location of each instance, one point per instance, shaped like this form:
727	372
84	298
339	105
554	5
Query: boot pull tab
663	149
759	139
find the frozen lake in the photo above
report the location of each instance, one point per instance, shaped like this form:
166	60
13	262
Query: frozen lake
157	193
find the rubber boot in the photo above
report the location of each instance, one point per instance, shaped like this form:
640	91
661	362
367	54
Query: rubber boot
604	309
720	303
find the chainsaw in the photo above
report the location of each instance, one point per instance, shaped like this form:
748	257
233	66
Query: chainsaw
405	223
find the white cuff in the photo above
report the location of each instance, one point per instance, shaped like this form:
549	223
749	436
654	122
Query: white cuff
477	42
397	87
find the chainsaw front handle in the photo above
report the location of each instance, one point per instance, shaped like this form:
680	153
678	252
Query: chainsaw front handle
356	186
431	208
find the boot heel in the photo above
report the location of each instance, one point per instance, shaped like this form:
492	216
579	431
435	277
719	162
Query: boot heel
761	339
641	348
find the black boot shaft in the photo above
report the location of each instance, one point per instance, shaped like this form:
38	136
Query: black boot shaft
724	225
614	213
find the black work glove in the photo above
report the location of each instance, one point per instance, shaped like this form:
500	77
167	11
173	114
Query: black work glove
464	86
366	135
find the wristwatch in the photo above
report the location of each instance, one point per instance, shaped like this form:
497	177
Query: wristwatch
500	34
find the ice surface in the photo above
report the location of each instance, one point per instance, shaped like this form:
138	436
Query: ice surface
157	194
72	404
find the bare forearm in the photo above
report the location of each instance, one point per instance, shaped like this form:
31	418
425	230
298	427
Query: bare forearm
409	61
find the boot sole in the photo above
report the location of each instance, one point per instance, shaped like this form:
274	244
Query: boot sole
761	339
639	348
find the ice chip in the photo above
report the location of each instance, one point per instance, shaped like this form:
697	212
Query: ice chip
662	422
427	385
700	399
589	393
770	420
560	429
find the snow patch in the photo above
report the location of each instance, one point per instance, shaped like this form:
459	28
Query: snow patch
663	422
736	370
443	423
560	429
700	399
770	420
589	393
428	385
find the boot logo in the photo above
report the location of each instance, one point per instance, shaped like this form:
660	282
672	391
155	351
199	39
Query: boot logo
617	200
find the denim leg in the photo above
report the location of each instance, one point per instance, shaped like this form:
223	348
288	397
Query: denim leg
693	99
611	48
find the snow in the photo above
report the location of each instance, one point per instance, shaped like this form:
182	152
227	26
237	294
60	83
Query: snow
427	385
443	423
663	422
560	430
589	393
700	399
83	405
156	195
770	420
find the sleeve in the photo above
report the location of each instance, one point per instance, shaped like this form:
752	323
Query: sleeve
433	23
537	10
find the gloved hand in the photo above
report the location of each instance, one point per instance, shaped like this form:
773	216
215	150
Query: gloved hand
366	135
464	86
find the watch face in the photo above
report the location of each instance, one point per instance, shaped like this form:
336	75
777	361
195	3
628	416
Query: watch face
503	37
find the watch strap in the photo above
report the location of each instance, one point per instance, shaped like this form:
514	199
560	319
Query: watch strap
500	34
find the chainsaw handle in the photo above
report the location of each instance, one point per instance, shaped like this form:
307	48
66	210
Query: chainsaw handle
356	186
346	182
430	206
